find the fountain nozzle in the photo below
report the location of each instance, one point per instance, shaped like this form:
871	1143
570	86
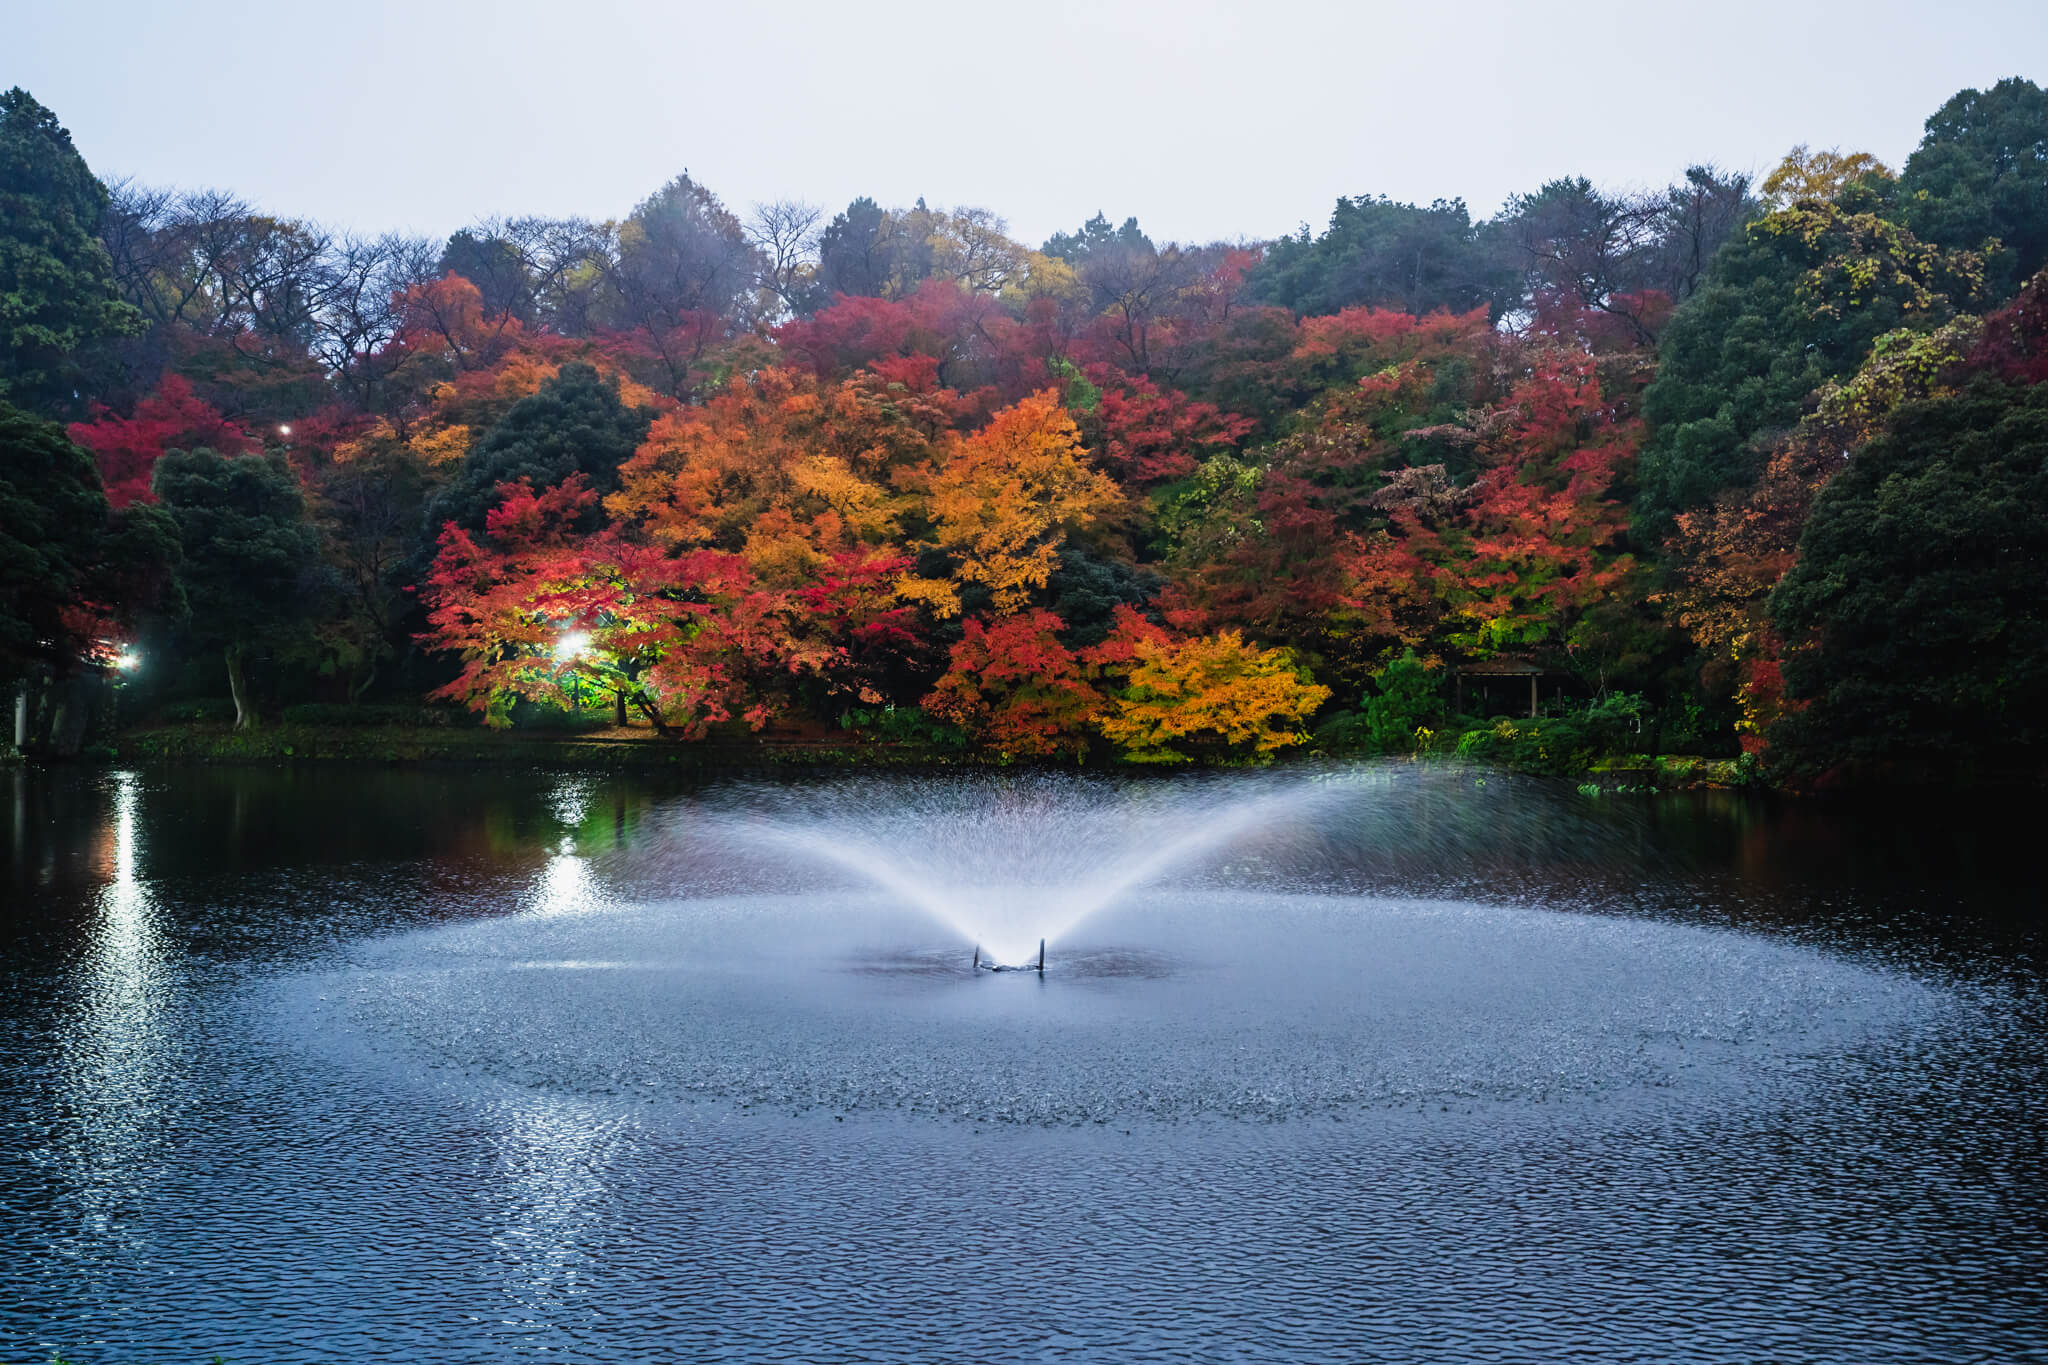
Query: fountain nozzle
995	966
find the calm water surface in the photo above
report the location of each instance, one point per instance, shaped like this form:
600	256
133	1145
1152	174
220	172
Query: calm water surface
338	1065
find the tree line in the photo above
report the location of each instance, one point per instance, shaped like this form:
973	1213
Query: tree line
1732	467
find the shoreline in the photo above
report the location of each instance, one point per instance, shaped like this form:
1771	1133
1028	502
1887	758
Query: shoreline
392	746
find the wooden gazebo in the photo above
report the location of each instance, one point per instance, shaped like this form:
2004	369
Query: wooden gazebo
1503	668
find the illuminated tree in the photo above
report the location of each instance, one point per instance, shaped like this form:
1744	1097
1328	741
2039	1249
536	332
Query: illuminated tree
818	454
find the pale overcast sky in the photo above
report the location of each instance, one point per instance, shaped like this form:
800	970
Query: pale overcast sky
1205	119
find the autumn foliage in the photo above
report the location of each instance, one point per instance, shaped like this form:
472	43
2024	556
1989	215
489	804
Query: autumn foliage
718	476
173	418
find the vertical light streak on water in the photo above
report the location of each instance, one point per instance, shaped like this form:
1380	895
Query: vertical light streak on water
565	885
553	1156
120	1079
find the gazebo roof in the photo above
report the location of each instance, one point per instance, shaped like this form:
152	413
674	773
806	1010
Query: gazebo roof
1501	668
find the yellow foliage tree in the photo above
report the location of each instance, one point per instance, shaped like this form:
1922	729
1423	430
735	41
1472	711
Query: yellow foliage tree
441	445
1004	499
1205	692
1807	174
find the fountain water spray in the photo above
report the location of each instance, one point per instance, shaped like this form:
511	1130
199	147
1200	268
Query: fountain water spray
1012	864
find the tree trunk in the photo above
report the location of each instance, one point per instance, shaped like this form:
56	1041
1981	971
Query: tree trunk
661	727
238	685
619	709
358	686
70	712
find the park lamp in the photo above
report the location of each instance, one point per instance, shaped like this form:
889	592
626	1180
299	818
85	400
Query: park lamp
570	646
127	660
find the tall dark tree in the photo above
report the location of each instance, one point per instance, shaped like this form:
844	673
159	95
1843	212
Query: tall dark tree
1387	255
1131	283
856	255
1981	172
1696	218
52	517
1917	625
1096	235
1627	257
498	270
56	279
73	574
368	512
681	276
252	570
575	424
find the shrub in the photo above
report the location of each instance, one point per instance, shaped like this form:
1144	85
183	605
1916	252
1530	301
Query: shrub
206	711
1407	701
1405	705
395	716
902	725
533	715
1559	746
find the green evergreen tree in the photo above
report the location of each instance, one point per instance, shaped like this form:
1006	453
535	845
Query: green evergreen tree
1794	301
52	515
56	279
1095	236
1387	255
252	567
575	424
1916	624
1981	172
857	256
1406	700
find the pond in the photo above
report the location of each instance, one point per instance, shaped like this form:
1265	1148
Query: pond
335	1064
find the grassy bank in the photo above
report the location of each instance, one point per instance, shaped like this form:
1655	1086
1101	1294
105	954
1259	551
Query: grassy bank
315	743
627	750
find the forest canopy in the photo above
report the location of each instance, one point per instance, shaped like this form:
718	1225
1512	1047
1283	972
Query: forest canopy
1719	467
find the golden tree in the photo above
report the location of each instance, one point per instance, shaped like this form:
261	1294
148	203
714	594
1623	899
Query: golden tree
1002	500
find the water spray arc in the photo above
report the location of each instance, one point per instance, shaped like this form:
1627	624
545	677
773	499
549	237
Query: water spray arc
1011	868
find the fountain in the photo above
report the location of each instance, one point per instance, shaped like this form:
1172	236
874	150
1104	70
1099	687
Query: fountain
1317	1062
1261	946
1014	863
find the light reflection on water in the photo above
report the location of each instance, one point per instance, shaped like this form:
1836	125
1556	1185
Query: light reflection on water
553	1154
564	887
121	1073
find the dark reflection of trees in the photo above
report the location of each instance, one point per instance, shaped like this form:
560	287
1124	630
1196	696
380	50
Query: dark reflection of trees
1929	871
211	833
